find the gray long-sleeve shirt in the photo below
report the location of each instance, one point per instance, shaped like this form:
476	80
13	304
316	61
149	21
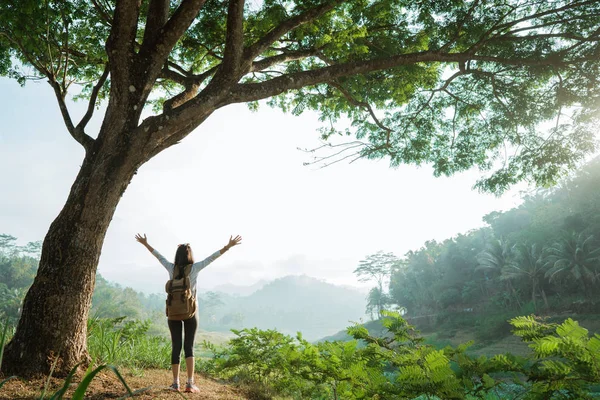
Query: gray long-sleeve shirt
196	267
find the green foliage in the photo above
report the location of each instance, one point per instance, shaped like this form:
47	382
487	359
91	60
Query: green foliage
125	343
289	366
575	255
79	393
85	382
3	340
61	392
456	84
567	360
18	266
398	365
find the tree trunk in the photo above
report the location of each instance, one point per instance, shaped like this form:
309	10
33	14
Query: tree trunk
53	325
533	293
545	299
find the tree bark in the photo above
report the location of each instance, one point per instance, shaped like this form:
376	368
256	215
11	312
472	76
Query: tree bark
53	325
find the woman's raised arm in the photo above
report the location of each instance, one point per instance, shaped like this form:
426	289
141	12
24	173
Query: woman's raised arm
144	240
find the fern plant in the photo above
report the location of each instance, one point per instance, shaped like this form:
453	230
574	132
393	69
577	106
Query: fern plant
566	359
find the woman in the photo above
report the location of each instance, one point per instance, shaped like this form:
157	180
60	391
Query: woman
184	257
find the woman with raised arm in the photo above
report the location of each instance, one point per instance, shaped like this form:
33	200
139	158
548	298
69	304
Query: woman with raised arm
184	257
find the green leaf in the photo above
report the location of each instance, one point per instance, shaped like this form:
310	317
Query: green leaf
87	379
6	380
571	329
488	382
61	392
3	339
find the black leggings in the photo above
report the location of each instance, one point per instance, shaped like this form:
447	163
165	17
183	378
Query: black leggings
189	326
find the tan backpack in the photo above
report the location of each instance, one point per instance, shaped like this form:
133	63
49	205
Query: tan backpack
181	301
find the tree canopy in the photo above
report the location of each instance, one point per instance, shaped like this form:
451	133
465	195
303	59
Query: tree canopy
510	87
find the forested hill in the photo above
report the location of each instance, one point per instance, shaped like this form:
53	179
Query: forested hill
236	290
292	304
542	257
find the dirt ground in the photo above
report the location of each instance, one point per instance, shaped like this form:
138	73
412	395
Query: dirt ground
106	385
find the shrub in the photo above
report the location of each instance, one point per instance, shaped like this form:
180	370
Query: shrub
565	362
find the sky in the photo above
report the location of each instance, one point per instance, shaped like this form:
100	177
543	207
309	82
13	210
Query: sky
244	175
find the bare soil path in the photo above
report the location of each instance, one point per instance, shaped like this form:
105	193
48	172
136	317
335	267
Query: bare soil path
106	385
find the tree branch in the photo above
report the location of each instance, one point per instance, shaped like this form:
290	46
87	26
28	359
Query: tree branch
158	14
92	102
178	68
104	15
545	25
366	106
191	83
173	76
78	135
186	80
234	40
345	147
189	93
121	41
568	36
499	28
461	24
263	44
257	91
569	6
154	53
281	58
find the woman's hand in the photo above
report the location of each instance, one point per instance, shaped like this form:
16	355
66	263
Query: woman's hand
144	240
233	241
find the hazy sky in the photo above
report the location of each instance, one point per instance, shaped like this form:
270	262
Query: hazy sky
244	175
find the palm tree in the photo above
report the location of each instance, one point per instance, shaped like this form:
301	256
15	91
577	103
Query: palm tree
496	258
530	264
575	255
376	301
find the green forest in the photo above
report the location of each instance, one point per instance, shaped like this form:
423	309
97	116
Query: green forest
541	257
531	272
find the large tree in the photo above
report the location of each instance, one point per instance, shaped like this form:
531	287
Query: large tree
453	83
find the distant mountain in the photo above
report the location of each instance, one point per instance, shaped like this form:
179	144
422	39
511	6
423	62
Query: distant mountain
236	290
293	304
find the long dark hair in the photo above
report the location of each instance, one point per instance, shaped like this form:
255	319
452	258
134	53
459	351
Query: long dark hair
183	257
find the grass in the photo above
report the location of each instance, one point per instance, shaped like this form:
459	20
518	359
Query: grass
125	343
3	340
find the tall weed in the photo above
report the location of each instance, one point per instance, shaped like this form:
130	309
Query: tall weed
126	343
3	340
85	383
